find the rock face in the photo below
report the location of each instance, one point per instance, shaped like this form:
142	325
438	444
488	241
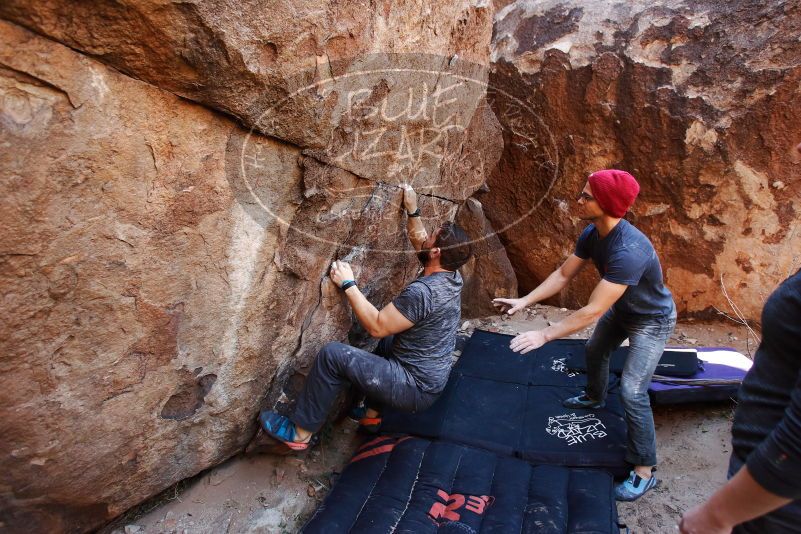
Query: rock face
164	268
313	76
697	99
489	274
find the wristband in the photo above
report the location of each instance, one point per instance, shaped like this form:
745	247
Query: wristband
346	284
415	213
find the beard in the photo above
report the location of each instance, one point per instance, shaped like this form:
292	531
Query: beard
424	255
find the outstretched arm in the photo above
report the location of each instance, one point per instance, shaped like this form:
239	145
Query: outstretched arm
414	226
378	324
770	477
552	285
741	499
603	296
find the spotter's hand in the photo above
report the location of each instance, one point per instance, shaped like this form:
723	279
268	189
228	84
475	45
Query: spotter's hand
509	306
528	341
341	271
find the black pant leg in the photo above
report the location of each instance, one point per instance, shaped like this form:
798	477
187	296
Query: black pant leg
338	365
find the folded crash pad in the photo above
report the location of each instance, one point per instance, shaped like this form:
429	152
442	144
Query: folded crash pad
680	362
406	484
722	372
511	404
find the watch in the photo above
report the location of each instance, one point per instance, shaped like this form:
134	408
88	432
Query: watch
347	283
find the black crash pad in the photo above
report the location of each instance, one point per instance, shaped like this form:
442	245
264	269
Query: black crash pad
511	404
674	362
413	485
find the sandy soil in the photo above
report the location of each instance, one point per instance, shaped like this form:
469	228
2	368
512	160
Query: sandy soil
276	494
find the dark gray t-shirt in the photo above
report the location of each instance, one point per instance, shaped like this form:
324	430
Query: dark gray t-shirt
433	303
625	256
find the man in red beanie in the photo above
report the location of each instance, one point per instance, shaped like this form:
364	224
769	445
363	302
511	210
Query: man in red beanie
630	302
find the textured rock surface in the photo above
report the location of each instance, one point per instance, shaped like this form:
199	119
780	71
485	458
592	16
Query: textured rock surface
129	274
489	273
163	267
309	73
699	100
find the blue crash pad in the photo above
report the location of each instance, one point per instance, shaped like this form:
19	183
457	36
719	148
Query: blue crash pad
413	485
511	404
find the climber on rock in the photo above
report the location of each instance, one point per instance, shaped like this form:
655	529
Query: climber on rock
631	301
417	332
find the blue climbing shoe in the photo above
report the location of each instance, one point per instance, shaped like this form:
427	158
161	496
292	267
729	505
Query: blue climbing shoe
367	425
582	401
634	487
357	412
281	428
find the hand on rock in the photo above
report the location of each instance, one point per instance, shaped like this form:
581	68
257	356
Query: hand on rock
409	199
528	341
340	271
509	306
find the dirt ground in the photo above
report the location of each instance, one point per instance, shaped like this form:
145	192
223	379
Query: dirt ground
276	494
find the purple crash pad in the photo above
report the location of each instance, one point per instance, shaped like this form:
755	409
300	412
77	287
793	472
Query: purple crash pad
719	380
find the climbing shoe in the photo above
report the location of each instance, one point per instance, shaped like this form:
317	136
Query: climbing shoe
357	412
367	425
634	487
281	428
582	401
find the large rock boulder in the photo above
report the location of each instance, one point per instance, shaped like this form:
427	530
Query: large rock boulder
328	78
699	100
489	273
164	268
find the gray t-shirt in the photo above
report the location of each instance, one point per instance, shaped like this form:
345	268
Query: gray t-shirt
433	303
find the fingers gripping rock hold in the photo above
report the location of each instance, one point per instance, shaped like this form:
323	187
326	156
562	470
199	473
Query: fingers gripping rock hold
409	198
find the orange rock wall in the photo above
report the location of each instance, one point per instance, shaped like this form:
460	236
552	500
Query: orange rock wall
170	210
698	100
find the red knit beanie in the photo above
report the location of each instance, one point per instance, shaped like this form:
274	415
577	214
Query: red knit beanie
614	190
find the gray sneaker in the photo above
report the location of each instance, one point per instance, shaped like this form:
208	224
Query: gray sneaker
582	402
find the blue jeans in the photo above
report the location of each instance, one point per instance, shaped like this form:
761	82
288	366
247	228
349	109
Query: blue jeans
647	336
